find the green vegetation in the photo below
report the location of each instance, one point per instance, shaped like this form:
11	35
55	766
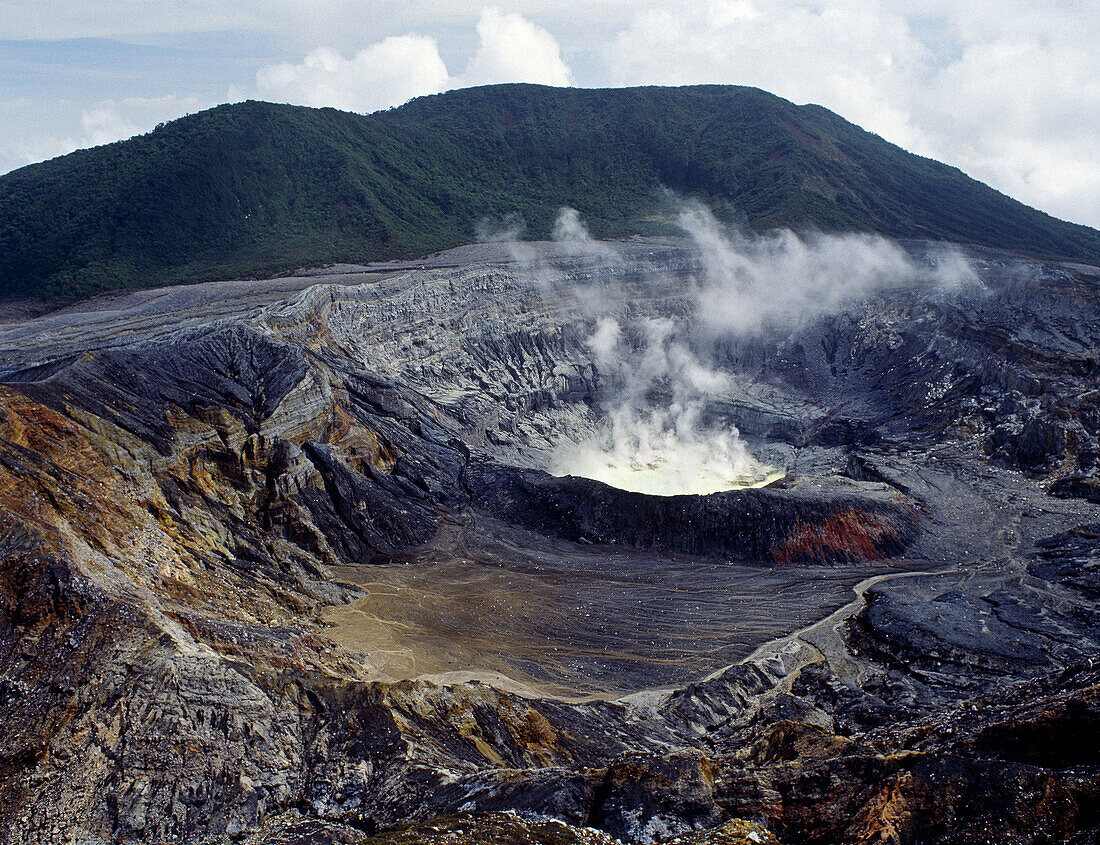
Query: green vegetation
255	188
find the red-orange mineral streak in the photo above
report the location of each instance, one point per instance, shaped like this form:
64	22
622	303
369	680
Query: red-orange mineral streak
851	534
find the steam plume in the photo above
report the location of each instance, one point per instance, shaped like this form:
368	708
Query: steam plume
653	441
660	374
781	280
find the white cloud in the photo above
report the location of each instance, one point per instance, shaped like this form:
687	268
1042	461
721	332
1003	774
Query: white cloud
392	71
836	54
1022	112
512	49
1009	91
104	124
384	74
112	120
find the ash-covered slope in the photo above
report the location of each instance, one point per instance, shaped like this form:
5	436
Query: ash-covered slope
257	188
262	547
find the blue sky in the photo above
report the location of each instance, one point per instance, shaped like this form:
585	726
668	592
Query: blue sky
1008	91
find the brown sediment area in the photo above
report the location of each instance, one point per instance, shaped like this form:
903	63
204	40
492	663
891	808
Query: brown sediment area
582	625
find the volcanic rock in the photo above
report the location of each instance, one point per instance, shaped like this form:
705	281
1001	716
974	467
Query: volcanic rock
263	545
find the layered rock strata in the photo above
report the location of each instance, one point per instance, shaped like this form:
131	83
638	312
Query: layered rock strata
192	481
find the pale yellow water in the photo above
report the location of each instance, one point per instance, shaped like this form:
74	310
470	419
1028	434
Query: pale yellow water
680	472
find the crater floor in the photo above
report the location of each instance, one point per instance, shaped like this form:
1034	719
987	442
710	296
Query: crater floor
560	619
285	560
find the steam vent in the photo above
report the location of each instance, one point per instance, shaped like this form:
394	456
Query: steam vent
697	538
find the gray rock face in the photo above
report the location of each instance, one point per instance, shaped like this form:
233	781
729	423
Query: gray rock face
284	560
752	525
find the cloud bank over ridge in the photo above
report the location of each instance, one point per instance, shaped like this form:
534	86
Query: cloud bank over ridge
398	68
1008	91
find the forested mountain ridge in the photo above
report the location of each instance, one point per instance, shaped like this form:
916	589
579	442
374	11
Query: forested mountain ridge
256	188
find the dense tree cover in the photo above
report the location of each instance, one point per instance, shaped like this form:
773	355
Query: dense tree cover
256	188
